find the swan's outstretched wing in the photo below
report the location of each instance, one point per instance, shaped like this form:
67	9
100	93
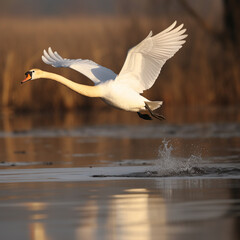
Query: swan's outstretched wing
88	68
144	61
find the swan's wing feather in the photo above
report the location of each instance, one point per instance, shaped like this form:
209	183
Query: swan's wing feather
144	61
90	69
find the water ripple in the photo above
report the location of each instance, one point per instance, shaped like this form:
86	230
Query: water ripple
209	130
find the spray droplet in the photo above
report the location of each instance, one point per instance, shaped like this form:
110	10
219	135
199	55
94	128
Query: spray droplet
168	165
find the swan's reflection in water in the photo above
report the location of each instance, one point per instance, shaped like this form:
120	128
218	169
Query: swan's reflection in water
88	226
133	215
122	209
38	231
125	216
37	228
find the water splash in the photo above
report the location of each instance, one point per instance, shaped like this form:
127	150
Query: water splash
168	165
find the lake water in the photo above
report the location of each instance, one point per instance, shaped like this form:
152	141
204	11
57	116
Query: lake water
110	175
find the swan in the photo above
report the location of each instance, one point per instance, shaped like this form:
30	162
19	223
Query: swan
139	72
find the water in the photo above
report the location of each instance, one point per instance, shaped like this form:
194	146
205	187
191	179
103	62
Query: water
74	176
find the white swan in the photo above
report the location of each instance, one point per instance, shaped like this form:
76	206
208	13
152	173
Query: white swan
139	72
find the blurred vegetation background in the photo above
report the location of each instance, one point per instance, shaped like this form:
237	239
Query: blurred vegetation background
204	72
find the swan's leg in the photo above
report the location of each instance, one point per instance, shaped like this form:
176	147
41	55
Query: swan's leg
144	116
156	115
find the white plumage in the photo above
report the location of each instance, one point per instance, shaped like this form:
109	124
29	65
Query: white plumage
88	68
139	72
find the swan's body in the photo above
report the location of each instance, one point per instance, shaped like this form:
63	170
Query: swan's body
139	72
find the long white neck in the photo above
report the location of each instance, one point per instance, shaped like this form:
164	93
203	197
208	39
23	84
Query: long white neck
89	91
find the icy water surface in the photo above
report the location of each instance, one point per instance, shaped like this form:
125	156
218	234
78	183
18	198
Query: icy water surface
81	176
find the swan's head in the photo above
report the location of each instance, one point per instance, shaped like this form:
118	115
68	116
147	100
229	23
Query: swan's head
32	75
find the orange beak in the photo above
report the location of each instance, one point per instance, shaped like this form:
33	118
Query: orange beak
28	77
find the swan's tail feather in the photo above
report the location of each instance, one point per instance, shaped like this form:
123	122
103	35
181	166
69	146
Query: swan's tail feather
153	105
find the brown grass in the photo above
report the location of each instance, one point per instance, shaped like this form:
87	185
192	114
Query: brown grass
199	74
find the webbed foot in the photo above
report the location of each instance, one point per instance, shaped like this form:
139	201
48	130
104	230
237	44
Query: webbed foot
144	116
153	114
